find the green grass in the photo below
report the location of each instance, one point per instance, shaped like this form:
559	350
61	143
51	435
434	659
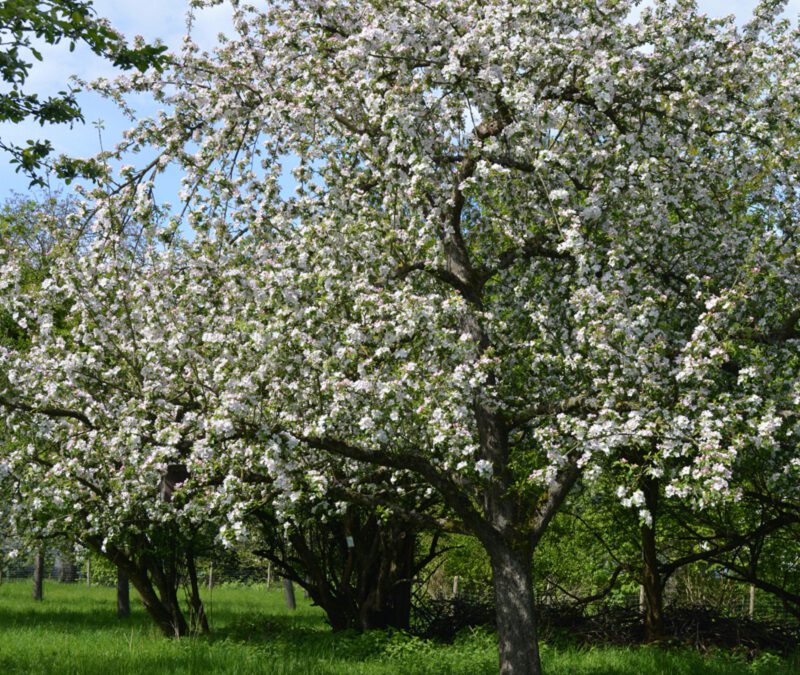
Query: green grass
75	631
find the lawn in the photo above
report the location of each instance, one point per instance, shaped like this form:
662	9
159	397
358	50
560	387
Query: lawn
75	631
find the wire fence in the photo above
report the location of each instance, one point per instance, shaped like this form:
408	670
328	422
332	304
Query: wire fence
721	596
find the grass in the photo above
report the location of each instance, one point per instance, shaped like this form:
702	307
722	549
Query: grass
74	630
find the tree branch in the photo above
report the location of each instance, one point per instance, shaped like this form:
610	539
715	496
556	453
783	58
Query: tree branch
48	411
556	495
417	464
667	569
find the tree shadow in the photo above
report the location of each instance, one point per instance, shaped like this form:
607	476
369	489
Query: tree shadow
67	620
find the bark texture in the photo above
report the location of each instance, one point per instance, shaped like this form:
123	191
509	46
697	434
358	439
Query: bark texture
516	621
38	575
651	576
123	594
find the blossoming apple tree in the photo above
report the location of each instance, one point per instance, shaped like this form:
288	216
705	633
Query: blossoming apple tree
527	240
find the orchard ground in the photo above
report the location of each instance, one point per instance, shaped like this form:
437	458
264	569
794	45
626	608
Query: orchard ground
74	630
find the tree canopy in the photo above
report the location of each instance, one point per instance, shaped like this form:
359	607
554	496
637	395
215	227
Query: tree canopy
531	244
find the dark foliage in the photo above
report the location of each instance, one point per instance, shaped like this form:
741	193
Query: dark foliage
442	619
698	627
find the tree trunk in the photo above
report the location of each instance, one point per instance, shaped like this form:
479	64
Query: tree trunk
38	575
168	595
123	594
510	552
516	622
156	586
651	578
158	610
165	608
288	594
199	619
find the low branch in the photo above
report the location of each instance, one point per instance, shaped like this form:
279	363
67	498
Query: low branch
48	411
595	596
450	491
421	521
667	569
791	601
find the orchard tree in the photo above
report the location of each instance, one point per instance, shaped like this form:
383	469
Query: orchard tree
520	247
81	466
527	240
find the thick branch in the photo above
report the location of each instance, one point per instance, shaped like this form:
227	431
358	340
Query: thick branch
568	405
417	464
532	248
556	495
731	544
48	411
439	273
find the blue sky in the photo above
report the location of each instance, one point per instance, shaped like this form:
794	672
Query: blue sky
152	19
165	20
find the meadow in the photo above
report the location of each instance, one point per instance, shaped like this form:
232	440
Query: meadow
75	630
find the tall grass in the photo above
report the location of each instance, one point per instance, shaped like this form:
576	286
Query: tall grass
75	630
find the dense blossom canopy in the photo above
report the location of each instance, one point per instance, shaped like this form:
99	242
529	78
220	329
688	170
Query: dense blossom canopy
526	239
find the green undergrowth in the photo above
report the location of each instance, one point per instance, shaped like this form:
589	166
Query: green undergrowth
74	630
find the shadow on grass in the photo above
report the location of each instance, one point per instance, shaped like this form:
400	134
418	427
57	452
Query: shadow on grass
301	634
65	620
54	619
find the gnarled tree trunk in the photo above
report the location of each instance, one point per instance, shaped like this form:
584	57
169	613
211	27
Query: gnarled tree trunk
516	621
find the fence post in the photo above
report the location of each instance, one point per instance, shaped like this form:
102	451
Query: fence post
455	586
88	571
752	608
210	576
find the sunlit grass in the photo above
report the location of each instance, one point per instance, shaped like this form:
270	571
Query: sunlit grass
75	630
